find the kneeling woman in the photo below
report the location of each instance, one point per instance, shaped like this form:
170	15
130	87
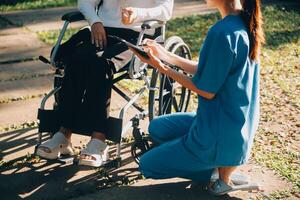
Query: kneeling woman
226	78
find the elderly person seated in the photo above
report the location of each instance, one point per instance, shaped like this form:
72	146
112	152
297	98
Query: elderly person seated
86	89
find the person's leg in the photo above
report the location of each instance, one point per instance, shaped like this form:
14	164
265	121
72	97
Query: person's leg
169	127
172	159
70	97
96	104
72	91
99	85
67	132
225	173
97	97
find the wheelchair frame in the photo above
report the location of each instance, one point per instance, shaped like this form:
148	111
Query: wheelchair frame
141	142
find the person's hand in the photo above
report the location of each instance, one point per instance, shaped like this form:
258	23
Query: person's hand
152	60
98	35
158	50
128	15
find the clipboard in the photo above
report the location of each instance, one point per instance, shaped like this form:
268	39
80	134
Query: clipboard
128	44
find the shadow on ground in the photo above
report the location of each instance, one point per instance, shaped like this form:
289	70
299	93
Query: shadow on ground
26	176
175	191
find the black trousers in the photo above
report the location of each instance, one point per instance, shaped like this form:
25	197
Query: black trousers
84	99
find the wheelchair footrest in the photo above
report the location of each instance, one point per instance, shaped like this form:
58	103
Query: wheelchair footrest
48	120
115	129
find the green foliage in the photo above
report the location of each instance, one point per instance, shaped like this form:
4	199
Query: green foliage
34	4
192	29
282	26
50	37
285	194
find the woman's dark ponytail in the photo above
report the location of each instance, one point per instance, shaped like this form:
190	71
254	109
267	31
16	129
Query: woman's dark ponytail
252	17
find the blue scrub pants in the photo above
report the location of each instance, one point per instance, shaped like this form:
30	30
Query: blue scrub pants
171	159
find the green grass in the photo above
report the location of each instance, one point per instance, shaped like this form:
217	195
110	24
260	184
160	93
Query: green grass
276	144
34	4
192	29
276	147
50	37
282	26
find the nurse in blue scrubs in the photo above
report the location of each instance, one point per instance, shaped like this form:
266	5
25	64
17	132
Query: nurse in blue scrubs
219	135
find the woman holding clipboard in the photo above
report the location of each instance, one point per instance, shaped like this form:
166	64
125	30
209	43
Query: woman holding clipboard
226	78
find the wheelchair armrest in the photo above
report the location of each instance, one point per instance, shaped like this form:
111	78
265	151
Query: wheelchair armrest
152	24
73	16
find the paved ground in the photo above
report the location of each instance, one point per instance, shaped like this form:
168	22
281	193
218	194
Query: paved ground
23	81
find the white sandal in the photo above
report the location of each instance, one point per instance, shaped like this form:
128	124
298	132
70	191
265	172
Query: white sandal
57	145
97	153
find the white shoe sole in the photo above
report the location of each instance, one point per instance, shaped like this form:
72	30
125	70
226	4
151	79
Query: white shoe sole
94	163
50	156
90	163
55	154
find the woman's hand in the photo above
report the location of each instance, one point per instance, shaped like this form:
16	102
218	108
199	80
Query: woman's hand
158	50
128	15
152	60
98	35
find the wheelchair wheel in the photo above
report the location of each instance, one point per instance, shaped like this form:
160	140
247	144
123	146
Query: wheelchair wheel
138	148
169	95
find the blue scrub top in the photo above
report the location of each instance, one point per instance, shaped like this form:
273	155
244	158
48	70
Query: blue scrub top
223	130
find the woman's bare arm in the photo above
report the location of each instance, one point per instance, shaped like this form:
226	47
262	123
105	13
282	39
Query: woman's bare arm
186	65
185	81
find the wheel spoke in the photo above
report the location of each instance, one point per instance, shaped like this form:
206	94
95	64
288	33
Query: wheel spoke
170	80
182	98
165	107
171	96
175	105
181	103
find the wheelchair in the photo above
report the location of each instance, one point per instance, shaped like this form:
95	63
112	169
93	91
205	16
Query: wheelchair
165	95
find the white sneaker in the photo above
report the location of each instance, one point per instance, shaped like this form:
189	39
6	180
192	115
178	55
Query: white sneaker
56	146
95	154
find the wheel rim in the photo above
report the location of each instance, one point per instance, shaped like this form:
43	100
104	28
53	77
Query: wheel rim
136	152
170	96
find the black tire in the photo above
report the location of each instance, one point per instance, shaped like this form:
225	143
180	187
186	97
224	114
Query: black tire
139	148
169	96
